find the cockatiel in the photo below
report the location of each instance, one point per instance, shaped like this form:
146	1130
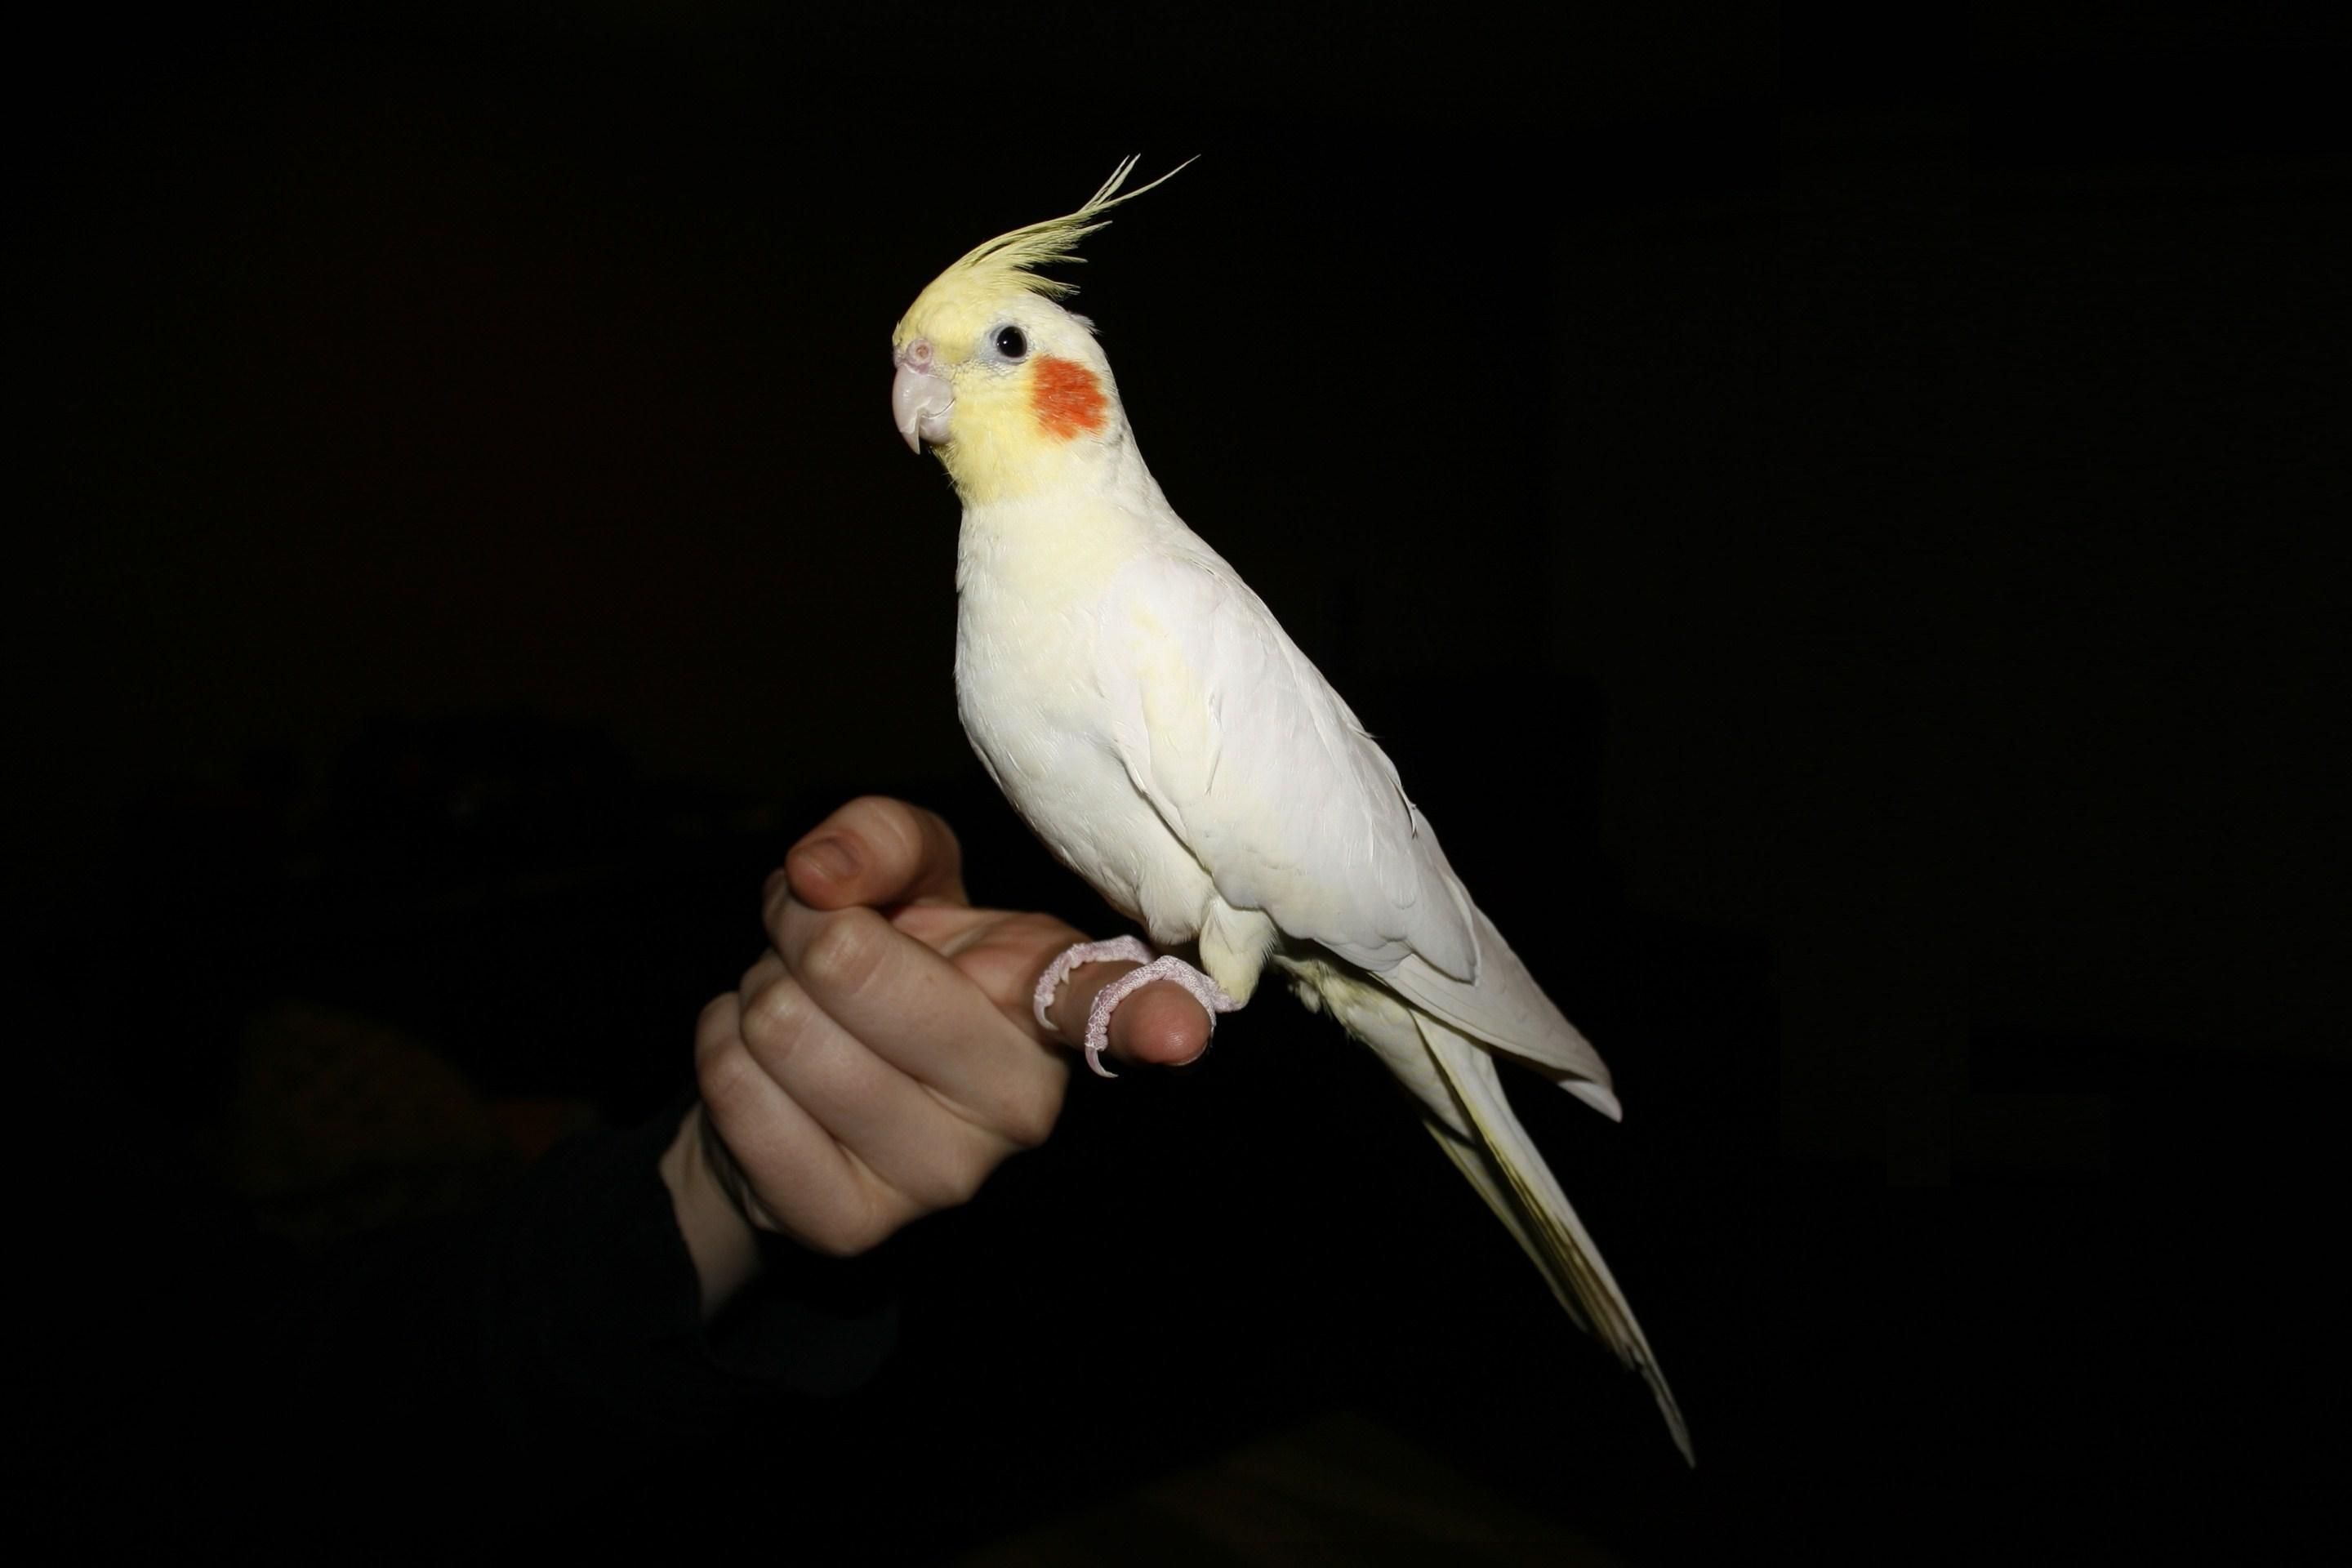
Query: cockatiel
1147	715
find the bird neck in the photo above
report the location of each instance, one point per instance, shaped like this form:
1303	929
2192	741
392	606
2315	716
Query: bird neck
1094	514
1017	457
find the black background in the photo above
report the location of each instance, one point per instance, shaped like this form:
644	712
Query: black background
1842	533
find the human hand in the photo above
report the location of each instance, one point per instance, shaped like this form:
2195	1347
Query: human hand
881	1060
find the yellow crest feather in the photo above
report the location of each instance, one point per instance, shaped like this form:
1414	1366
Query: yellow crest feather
1013	258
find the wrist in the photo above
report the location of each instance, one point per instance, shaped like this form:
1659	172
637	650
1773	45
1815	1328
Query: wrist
703	1187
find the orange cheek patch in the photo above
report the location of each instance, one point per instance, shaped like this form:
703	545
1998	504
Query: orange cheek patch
1066	396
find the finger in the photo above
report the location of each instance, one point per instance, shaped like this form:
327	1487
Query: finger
878	1115
922	1015
799	1175
1160	1026
874	851
766	970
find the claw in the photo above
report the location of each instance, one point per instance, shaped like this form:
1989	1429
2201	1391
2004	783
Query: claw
1211	995
1049	984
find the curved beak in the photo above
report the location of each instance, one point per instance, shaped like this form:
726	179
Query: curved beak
920	397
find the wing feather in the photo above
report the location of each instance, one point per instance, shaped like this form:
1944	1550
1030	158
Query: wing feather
1507	1010
1261	769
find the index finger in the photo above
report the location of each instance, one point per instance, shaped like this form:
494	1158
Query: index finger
874	851
1159	1025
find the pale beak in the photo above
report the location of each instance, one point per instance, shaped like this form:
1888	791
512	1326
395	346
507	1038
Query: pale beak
920	397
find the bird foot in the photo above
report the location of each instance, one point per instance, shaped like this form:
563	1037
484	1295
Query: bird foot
1211	995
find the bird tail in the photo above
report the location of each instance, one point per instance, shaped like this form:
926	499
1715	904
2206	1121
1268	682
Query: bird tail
1510	1174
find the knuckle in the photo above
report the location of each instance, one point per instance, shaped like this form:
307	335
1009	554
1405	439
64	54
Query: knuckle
844	951
1028	1121
721	1073
967	1176
858	1225
948	1182
869	809
777	1016
892	827
715	1028
832	1240
934	833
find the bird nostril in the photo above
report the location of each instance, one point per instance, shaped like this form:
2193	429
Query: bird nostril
918	352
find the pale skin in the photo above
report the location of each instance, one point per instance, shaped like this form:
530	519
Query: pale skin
880	1059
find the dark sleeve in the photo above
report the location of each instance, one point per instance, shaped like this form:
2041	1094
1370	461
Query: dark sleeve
592	1314
564	1325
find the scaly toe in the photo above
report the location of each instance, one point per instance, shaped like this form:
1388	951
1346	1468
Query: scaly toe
1049	984
1211	995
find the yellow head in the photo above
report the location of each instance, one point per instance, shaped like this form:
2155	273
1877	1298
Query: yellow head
1008	386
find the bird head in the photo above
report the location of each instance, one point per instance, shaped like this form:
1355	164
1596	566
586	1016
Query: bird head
1005	383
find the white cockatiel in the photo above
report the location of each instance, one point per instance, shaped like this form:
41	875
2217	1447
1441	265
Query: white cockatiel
1147	715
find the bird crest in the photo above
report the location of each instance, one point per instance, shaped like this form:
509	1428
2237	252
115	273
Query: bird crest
1011	261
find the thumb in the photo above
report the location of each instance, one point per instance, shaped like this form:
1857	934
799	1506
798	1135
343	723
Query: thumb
874	851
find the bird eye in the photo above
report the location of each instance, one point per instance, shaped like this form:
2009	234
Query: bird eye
1011	342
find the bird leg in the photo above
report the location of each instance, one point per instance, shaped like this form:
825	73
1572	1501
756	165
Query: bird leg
1203	989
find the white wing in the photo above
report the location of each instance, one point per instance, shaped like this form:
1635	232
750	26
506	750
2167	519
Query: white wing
1261	771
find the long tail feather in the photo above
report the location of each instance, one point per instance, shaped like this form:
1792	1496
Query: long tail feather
1529	1201
1477	1167
1460	1094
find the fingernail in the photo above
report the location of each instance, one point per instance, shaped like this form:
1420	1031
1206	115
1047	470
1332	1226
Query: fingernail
831	857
